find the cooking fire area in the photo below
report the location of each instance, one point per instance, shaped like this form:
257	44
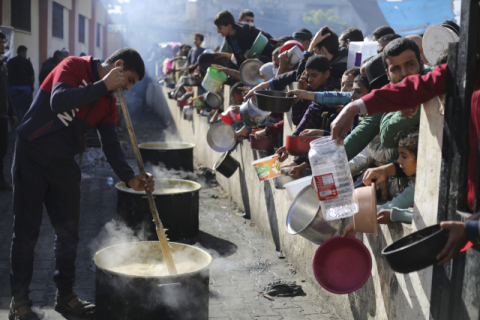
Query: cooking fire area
246	278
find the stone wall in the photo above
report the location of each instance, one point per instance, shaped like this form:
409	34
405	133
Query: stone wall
386	295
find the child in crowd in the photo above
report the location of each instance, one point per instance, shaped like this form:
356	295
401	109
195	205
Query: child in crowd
194	53
396	210
316	77
236	98
360	88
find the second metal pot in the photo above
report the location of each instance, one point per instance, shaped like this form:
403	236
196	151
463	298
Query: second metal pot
305	218
226	165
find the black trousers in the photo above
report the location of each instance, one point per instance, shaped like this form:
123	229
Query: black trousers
59	189
3	143
21	100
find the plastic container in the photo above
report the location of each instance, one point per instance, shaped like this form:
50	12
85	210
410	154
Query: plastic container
229	117
258	45
293	188
214	79
295	54
333	180
267	168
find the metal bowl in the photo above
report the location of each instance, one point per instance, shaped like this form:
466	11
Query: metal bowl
221	137
191	81
417	250
250	72
305	218
282	180
274	101
214	100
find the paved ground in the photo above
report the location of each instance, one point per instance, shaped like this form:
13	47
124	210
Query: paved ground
244	261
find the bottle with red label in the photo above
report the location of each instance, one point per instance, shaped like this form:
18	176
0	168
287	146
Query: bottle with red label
333	180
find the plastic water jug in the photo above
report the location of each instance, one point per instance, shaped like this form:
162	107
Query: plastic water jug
333	180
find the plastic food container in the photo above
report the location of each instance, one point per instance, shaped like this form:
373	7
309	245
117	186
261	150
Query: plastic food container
294	187
267	168
214	79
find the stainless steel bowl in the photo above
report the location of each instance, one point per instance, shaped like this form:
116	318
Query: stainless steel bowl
305	218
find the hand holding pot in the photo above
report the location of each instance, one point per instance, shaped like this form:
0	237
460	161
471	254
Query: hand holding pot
302	95
260	134
383	216
296	172
312	133
140	183
349	230
380	174
261	86
283	154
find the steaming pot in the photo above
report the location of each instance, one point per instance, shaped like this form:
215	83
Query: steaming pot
121	296
174	155
177	202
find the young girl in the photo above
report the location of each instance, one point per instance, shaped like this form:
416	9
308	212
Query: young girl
396	210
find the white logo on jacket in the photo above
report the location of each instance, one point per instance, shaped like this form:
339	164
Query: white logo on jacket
64	117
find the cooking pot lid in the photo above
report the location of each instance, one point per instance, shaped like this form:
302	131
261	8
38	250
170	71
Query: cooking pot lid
342	265
221	137
436	39
250	72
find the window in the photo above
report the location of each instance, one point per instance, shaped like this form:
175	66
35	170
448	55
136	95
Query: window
81	28
57	20
21	15
99	26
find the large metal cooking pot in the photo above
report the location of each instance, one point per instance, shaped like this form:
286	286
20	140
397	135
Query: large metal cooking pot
226	165
417	250
299	146
174	297
177	203
306	219
274	101
174	155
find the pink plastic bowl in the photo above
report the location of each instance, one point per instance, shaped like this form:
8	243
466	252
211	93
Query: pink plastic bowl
342	265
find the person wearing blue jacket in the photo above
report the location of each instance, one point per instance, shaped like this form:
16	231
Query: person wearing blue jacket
75	96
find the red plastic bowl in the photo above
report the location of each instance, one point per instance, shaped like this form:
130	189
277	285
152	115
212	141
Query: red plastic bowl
342	265
299	146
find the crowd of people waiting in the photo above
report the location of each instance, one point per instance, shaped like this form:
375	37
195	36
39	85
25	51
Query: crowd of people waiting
380	141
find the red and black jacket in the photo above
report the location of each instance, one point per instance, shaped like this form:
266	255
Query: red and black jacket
71	100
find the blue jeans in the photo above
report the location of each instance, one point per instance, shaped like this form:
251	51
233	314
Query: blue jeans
58	187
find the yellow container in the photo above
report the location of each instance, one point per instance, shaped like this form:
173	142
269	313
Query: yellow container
214	79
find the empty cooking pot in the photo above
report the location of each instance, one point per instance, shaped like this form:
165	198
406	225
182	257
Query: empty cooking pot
299	146
251	115
226	165
295	55
188	113
305	218
214	100
417	250
274	101
205	60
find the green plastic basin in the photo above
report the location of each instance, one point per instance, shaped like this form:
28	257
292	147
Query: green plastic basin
258	45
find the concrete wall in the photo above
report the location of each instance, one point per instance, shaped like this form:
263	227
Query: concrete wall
386	295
